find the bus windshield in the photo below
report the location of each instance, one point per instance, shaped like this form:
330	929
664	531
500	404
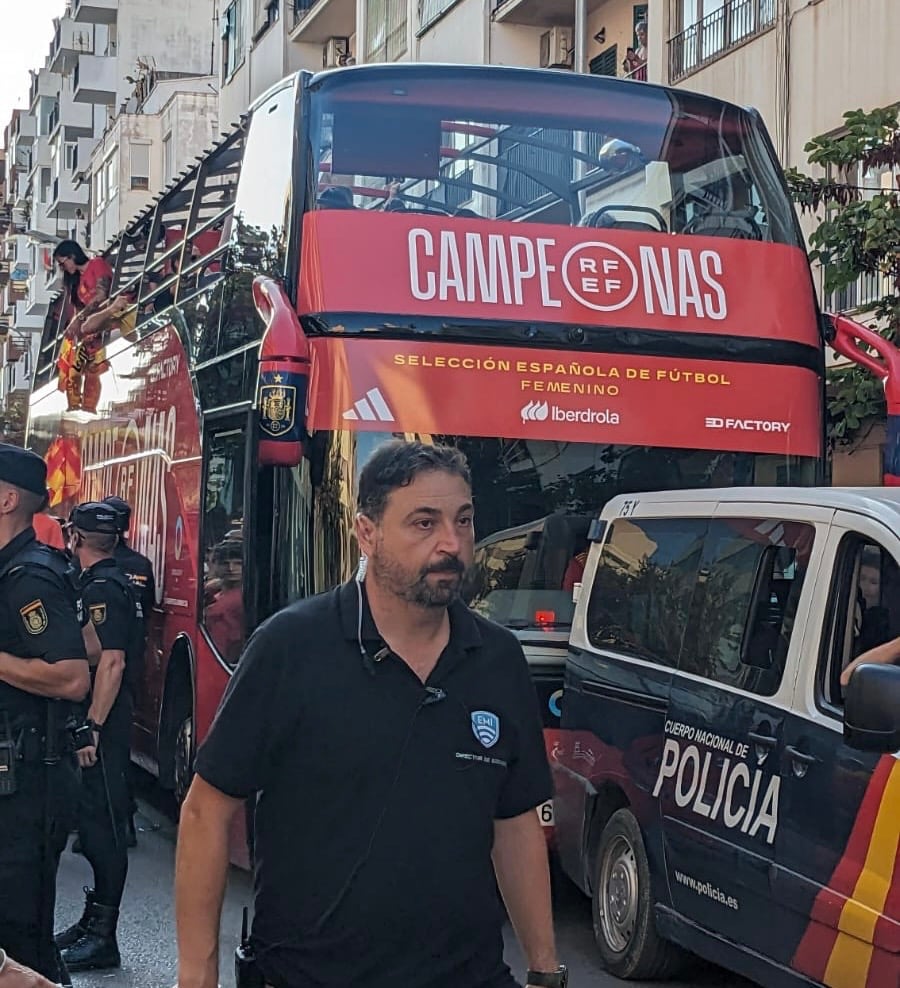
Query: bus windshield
535	500
542	147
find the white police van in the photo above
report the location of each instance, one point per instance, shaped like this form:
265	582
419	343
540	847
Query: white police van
717	789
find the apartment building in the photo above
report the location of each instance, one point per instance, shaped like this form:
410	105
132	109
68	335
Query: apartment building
172	121
801	63
264	40
117	73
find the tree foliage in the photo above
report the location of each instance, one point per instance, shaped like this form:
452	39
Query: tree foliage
858	234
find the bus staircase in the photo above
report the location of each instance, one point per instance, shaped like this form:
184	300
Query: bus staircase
179	240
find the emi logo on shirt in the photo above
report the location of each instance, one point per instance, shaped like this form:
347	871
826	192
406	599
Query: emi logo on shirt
486	727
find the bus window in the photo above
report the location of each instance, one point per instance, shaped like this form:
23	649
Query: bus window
223	542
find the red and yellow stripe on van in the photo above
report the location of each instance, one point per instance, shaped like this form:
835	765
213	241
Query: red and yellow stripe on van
853	939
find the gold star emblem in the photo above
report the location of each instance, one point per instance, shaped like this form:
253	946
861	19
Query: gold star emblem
278	379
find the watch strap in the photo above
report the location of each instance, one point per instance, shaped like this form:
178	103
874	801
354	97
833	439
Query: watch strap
549	979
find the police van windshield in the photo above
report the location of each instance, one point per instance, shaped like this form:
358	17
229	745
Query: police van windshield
535	499
543	147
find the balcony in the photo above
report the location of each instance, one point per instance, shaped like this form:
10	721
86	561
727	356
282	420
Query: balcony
718	33
65	198
69	41
25	129
23	187
76	119
24	322
43	83
95	11
96	79
539	13
81	160
315	21
40	154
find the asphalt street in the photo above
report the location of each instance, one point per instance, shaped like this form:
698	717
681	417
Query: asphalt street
147	926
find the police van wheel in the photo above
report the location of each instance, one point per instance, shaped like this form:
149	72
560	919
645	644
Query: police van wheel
623	907
184	758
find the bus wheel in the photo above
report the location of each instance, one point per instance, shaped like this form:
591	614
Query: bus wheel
184	758
623	907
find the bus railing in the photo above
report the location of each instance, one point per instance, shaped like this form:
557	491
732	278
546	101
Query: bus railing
854	341
194	211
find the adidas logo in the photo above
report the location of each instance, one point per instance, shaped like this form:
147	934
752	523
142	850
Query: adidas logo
372	408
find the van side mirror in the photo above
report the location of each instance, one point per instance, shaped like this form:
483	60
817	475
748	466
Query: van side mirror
872	709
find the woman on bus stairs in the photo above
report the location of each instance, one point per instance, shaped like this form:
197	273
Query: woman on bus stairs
88	282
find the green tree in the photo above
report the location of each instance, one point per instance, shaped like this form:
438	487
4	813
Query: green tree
856	235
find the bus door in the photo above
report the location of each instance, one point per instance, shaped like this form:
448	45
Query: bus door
230	556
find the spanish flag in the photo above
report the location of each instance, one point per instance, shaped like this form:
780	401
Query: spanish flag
63	469
853	939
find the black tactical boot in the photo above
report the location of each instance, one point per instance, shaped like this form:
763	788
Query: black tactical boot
70	935
96	948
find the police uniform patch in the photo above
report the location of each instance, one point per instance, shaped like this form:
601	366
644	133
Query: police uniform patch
34	617
98	613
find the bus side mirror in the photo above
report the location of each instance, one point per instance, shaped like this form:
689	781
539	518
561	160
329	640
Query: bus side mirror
283	376
872	709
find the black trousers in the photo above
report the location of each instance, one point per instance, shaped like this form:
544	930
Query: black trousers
27	868
103	809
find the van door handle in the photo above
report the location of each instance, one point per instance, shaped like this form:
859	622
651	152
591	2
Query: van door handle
766	740
800	756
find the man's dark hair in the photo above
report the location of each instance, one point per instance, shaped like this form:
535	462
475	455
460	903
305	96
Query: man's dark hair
397	463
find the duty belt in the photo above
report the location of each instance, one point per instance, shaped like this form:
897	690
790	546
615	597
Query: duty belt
30	740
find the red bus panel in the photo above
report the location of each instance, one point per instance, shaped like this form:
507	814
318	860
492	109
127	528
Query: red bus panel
364	261
461	389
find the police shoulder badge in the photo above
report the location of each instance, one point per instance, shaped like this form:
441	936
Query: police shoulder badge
34	617
98	613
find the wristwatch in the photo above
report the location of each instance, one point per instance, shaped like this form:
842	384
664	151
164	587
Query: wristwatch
546	979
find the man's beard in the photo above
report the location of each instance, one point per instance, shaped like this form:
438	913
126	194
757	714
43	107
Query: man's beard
415	588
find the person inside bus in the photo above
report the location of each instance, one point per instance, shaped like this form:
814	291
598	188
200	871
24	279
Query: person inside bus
335	197
88	283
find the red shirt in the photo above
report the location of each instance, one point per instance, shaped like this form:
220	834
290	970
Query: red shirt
48	531
95	269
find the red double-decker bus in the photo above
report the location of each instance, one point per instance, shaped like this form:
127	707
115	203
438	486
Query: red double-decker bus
590	286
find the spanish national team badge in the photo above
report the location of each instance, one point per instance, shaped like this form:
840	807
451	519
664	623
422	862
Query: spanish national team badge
486	727
98	613
34	617
277	406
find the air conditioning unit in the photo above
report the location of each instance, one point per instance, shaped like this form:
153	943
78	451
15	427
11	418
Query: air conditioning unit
335	53
556	48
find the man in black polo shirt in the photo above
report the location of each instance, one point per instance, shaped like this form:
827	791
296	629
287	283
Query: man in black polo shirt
394	741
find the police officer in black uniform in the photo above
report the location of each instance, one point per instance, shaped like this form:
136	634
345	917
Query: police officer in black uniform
136	566
42	665
139	570
103	803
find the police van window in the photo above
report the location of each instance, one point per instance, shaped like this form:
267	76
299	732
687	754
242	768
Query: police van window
645	581
741	628
223	542
864	610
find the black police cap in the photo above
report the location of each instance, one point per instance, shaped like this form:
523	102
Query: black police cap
121	507
23	469
94	516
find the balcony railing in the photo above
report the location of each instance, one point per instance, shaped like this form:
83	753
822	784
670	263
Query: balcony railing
732	24
860	295
301	8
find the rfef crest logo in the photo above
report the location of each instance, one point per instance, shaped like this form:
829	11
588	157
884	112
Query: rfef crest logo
486	727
